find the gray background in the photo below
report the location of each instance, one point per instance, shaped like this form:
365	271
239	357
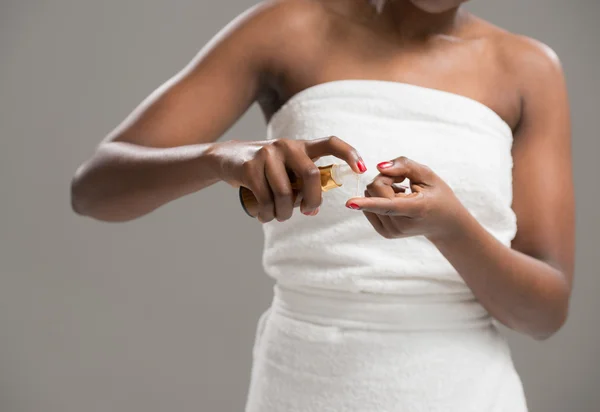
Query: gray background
159	314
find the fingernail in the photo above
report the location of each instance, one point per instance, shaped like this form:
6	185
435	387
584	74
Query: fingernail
353	206
361	166
385	165
313	213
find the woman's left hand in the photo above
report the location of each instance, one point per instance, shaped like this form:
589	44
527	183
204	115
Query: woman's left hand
431	210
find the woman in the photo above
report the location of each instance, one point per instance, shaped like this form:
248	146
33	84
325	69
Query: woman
385	304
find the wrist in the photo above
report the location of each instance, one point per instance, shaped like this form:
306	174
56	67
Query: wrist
212	159
460	223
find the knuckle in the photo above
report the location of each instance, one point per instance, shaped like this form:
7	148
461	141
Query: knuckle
247	165
281	143
265	201
248	168
267	150
262	153
334	139
424	168
381	181
262	196
311	173
282	192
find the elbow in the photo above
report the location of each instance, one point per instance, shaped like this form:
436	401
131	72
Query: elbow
551	319
80	198
544	313
88	199
550	328
101	189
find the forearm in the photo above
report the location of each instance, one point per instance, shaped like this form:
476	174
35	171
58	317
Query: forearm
124	181
524	293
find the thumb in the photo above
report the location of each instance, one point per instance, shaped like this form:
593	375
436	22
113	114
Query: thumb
403	167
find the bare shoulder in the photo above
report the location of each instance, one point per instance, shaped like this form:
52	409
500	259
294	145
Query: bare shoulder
537	75
516	51
530	56
289	18
534	73
273	23
529	69
277	34
526	60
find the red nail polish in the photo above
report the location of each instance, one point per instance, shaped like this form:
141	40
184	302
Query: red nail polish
314	213
354	206
361	166
385	165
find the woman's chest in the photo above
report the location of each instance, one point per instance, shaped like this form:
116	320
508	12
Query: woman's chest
474	69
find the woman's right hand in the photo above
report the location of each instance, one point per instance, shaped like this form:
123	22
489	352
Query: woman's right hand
263	166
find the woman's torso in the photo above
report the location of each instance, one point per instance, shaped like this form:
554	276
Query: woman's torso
359	322
465	70
341	329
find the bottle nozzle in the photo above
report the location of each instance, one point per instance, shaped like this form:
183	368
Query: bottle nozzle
343	175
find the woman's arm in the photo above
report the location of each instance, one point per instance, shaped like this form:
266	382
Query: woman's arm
159	152
165	148
527	287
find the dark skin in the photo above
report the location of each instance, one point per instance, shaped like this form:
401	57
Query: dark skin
168	146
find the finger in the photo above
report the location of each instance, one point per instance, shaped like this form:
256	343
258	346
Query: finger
409	206
391	226
402	167
310	175
336	147
381	186
255	180
281	188
379	223
399	188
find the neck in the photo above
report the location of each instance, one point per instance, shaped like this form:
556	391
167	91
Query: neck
411	22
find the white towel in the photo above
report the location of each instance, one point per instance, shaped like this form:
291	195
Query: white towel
363	323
